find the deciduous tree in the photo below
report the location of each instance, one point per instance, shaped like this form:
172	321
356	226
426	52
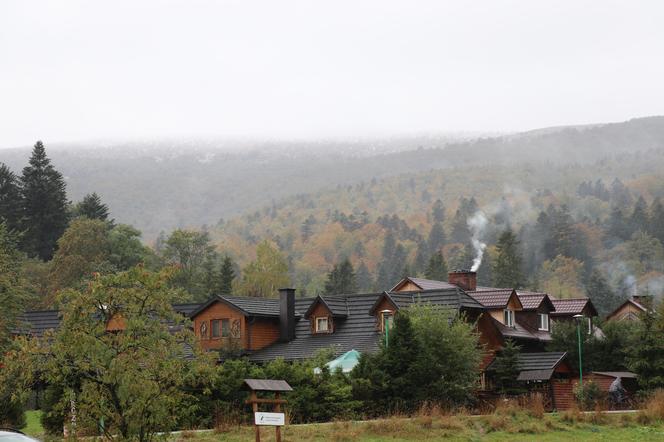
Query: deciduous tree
266	274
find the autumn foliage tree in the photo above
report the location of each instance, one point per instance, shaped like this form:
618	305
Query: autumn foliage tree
266	274
134	377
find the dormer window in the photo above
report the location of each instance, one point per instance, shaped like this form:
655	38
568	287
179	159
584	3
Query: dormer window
322	324
543	322
508	317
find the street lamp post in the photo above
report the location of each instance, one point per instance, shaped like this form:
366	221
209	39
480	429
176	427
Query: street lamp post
578	319
386	326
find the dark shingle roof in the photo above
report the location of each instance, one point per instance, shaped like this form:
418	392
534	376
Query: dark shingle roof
516	332
575	306
336	304
535	375
617	374
426	284
186	309
35	323
453	298
532	300
262	307
548	360
492	298
268	385
357	331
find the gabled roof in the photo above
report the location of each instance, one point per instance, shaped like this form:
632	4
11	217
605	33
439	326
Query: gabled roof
638	306
186	309
358	331
267	385
537	361
258	307
35	323
452	298
494	298
616	374
533	300
572	306
516	332
424	284
336	305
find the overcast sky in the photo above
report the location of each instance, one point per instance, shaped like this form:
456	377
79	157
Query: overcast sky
76	70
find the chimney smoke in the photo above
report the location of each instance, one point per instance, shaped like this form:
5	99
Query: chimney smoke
477	225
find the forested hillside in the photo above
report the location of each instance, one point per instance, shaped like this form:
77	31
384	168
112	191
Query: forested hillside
159	186
571	211
577	228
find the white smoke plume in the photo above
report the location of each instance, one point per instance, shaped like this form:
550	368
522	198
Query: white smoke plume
477	225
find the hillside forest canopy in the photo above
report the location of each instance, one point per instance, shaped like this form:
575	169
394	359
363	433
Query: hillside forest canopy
583	228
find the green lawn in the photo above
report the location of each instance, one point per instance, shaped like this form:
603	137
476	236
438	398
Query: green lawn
490	428
493	428
33	427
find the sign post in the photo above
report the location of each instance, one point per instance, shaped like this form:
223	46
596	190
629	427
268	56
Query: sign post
275	418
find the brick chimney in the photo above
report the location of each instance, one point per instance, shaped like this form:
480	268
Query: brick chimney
286	314
464	279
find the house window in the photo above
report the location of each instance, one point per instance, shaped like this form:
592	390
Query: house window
215	328
225	328
508	316
322	325
590	325
544	321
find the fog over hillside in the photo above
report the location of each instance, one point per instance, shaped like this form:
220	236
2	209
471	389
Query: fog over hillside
162	185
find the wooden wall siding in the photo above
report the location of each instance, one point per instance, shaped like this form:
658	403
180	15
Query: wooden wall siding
407	286
116	323
263	332
530	319
627	312
512	304
563	393
219	310
498	315
384	304
490	338
318	312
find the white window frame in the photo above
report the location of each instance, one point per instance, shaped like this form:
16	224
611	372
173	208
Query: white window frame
320	319
544	322
508	317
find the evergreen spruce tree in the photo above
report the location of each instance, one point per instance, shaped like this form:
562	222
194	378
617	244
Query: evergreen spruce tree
438	212
10	199
485	271
639	219
647	359
401	361
307	228
45	205
363	278
436	238
601	294
436	268
91	207
617	229
421	257
341	279
506	368
226	276
507	267
656	220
